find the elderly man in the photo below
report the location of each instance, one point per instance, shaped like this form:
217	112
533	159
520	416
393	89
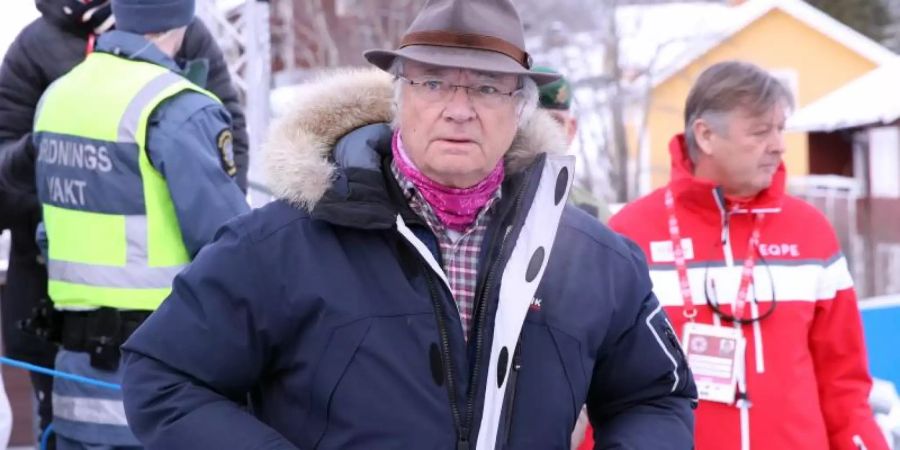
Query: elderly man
421	283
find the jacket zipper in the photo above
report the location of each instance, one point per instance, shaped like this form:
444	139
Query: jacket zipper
481	315
726	228
445	349
511	389
463	428
743	402
729	261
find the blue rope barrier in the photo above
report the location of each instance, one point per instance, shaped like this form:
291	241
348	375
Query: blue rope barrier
58	374
45	436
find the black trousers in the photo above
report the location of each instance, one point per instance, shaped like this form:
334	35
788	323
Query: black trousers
42	385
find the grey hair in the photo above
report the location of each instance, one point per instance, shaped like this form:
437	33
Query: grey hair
725	87
527	96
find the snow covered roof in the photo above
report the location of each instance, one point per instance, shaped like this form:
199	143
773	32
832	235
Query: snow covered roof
16	15
752	10
662	39
871	99
650	37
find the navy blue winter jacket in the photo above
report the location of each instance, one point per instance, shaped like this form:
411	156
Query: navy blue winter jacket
316	323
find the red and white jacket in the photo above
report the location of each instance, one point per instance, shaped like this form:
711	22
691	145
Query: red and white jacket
806	370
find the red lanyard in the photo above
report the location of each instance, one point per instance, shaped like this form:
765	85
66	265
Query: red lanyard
89	47
681	266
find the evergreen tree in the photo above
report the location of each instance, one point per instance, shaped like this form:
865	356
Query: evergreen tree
869	17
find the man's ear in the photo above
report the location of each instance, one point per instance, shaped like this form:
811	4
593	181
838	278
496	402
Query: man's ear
703	134
571	128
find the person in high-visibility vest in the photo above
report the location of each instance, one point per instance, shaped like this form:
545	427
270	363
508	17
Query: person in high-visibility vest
133	177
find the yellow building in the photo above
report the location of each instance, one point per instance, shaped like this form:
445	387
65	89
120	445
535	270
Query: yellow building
808	50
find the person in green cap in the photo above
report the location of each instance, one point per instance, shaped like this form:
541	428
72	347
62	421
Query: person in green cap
556	99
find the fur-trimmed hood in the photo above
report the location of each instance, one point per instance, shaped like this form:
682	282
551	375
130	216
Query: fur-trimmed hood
298	151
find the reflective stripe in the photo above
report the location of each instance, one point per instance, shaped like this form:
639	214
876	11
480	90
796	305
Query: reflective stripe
805	283
836	278
136	239
91	410
662	346
134	275
129	277
131	118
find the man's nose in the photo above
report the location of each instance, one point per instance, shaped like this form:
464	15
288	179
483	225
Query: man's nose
776	142
460	107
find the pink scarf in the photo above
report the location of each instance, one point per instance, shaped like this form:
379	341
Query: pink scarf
456	208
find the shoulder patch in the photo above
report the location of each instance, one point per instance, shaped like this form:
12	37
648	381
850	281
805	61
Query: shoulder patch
225	144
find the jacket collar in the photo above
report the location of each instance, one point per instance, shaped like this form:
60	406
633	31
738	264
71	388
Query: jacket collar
135	47
696	193
328	154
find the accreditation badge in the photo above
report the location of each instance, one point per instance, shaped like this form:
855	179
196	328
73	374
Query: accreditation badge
715	355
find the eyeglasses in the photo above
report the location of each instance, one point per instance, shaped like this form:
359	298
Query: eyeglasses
713	300
436	90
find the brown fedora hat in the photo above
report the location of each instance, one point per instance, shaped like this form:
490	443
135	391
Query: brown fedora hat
483	35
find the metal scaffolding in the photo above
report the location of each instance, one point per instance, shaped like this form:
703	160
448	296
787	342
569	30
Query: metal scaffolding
241	28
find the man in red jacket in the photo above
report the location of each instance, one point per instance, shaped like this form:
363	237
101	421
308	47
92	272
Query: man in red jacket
753	279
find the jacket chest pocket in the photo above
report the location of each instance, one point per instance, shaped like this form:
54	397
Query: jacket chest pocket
552	380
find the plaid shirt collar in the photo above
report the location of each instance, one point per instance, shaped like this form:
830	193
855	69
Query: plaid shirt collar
460	257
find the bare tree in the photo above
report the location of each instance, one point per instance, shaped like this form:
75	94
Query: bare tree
617	137
580	38
585	40
385	21
312	34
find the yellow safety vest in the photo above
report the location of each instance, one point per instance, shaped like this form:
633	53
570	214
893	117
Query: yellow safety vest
114	238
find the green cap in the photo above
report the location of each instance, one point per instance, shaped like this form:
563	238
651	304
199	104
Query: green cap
555	95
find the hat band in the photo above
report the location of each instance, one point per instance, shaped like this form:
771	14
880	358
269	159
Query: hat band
466	40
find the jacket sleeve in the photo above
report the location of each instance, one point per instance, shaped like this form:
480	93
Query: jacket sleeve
642	392
200	44
839	356
189	367
18	198
185	145
21	84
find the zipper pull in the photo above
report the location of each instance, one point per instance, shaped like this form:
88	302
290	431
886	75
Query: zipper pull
517	358
462	443
743	400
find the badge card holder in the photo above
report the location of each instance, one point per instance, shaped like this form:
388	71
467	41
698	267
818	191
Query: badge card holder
714	355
